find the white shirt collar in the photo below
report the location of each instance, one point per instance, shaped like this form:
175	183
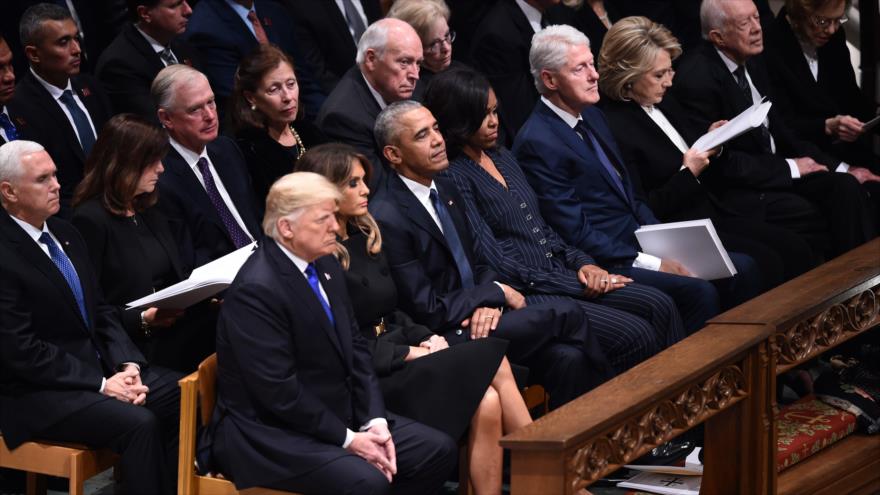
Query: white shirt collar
376	95
240	9
730	64
189	156
532	14
157	47
566	117
53	90
421	191
300	263
31	231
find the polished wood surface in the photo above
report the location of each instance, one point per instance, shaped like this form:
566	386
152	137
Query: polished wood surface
724	376
77	463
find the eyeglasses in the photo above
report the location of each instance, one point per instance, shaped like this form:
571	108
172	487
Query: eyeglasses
824	22
437	45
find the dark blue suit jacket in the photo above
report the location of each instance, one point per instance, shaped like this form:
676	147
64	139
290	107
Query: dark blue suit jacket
577	195
428	283
289	382
222	39
199	233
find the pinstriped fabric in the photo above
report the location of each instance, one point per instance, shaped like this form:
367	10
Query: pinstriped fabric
510	234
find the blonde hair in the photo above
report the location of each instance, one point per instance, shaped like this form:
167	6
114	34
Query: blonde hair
335	162
292	194
629	51
420	14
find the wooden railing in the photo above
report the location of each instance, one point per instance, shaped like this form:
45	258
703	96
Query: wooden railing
724	377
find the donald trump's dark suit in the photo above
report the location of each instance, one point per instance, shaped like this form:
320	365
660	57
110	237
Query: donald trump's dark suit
553	340
290	382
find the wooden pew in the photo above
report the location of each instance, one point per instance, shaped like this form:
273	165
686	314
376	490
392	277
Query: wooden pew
724	376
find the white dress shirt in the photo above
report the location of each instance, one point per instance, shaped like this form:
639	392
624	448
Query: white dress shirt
376	95
360	11
423	194
756	96
643	260
301	266
56	93
156	46
532	14
192	159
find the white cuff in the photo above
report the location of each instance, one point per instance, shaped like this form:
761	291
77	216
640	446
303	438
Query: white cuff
373	422
647	262
842	168
103	384
503	294
349	436
792	166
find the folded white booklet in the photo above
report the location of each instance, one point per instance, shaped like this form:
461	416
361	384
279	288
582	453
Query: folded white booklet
694	244
749	119
203	282
664	483
692	466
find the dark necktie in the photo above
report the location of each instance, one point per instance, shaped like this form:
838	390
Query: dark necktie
740	75
168	57
80	121
312	276
354	20
454	242
587	135
67	271
8	128
238	236
259	32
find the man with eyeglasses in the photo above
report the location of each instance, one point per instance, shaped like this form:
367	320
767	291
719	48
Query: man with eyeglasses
387	69
810	66
769	172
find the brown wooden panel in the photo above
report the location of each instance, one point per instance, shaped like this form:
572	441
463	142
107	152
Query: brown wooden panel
851	465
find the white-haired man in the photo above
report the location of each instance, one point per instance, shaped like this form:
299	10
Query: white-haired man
387	70
769	173
68	370
300	407
206	186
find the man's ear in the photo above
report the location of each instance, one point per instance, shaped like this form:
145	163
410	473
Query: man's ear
7	193
370	58
32	54
549	80
392	154
143	13
284	228
716	38
164	118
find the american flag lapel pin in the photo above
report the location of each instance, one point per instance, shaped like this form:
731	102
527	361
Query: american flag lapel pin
450	202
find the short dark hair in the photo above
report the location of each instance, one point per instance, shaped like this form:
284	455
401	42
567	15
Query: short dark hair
125	147
458	99
134	4
30	26
251	71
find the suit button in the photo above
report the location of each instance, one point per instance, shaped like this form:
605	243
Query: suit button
542	241
549	255
522	205
531	284
459	332
536	230
529	217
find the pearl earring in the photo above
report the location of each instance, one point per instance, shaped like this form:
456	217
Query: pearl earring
254	108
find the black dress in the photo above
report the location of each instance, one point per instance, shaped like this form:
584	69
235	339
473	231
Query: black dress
267	159
442	389
132	257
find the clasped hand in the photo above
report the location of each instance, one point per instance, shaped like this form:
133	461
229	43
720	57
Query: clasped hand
376	447
597	281
126	386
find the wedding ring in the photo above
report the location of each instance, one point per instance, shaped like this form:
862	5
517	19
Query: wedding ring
489	317
604	281
613	280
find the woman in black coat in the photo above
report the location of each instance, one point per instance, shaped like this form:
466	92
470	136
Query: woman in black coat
448	388
264	105
635	67
130	242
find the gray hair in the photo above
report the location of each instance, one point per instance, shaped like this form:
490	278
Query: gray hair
387	125
549	50
292	194
168	80
713	16
11	154
375	37
30	26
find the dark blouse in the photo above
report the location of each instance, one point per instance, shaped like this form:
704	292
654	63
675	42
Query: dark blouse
152	252
374	297
509	231
267	159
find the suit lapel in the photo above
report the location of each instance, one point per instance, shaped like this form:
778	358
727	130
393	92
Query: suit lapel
415	211
192	187
337	306
41	97
300	286
236	189
143	47
81	264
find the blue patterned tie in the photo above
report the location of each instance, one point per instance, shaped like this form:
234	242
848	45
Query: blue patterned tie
8	127
67	271
312	275
238	236
80	121
587	135
454	242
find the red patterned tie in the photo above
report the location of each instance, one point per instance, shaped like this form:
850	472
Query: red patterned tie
259	32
